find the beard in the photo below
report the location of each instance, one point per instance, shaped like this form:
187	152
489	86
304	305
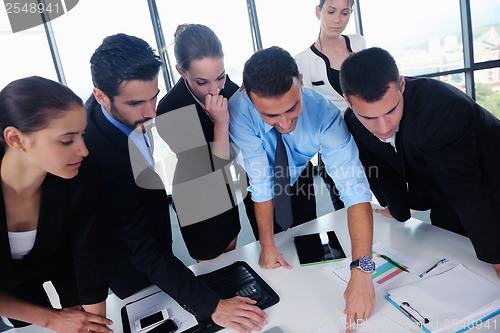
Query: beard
115	113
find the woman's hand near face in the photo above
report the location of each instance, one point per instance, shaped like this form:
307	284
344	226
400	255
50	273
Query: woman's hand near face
216	106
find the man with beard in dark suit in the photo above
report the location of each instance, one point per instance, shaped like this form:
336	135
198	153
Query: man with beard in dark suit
139	240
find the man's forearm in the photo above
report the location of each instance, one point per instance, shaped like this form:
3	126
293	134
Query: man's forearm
97	308
16	308
360	222
264	217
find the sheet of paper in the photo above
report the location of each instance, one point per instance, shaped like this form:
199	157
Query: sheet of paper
156	302
377	323
451	300
385	272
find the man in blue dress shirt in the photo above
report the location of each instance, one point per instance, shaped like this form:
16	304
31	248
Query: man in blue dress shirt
274	97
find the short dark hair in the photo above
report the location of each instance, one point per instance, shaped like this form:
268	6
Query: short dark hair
119	58
29	104
367	74
270	72
195	42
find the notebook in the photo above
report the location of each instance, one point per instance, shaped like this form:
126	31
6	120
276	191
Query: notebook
237	279
453	301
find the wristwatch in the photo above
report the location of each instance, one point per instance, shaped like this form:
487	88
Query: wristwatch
365	264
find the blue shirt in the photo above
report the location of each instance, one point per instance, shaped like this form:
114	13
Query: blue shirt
141	141
320	126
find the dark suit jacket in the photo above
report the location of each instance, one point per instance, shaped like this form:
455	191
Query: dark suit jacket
448	153
65	243
139	239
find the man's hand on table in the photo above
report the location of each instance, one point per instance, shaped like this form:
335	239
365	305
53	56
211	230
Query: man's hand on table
271	257
359	298
383	211
239	313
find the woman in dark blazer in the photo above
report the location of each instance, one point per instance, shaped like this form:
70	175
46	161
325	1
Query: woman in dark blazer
204	84
46	216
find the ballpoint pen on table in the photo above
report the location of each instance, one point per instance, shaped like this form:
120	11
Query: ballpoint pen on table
442	261
398	265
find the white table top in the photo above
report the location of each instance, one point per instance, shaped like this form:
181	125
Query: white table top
310	297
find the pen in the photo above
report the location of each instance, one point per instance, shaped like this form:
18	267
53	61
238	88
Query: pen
398	265
442	261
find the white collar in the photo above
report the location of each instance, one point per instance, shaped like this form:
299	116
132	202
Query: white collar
391	139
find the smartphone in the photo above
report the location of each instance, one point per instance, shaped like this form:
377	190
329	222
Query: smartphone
152	319
167	326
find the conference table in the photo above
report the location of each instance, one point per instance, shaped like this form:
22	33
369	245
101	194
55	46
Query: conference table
310	297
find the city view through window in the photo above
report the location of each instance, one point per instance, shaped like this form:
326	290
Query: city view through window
446	54
426	38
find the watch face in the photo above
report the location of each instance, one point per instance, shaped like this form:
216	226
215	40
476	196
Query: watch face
366	264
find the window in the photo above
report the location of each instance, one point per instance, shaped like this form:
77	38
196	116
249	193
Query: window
24	53
457	80
227	18
485	29
79	32
424	36
488	89
292	25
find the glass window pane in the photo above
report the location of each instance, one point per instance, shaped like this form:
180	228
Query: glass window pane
488	89
227	18
424	36
293	26
457	80
24	53
80	31
485	29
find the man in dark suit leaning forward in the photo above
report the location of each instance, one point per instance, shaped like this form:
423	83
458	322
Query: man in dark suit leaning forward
426	145
139	240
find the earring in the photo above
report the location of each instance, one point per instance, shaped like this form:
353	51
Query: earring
21	149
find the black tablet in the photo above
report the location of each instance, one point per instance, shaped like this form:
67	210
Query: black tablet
318	248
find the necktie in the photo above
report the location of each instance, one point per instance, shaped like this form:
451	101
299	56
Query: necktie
282	200
147	135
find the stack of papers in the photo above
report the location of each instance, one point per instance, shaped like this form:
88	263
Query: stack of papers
450	302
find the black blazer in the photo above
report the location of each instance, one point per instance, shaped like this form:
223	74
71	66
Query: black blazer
139	240
448	153
65	242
